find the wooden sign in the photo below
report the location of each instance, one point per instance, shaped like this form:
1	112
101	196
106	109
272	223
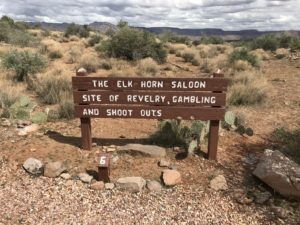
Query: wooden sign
150	98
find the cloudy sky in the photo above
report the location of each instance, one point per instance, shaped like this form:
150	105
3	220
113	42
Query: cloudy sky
225	14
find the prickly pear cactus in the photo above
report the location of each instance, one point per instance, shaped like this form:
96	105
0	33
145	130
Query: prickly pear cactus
24	101
249	131
230	118
39	117
241	130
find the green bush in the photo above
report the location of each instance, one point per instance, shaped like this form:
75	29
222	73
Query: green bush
15	33
266	42
210	40
74	29
187	56
173	38
94	39
134	44
56	54
291	141
24	63
295	44
243	54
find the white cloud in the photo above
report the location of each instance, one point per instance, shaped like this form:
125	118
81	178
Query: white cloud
225	14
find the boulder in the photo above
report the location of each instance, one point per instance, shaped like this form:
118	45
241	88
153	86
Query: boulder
85	178
171	177
218	183
109	186
154	186
280	173
99	185
163	163
149	150
131	184
33	166
54	169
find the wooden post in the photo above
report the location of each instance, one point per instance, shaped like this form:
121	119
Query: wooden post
85	124
213	132
104	167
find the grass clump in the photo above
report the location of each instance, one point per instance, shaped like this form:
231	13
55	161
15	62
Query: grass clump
66	108
247	89
134	44
24	63
90	63
147	67
9	94
94	39
51	87
55	54
243	54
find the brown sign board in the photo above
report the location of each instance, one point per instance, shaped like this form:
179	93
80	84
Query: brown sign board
150	98
158	84
148	112
157	98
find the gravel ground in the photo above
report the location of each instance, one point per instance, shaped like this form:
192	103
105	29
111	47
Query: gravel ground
30	200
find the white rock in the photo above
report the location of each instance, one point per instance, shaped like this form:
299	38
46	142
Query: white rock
218	183
109	186
131	184
31	128
66	176
85	178
33	166
154	185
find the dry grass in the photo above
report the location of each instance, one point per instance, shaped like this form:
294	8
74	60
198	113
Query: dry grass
90	62
261	54
147	67
10	92
73	54
247	88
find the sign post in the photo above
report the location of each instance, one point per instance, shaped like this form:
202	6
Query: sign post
150	98
104	167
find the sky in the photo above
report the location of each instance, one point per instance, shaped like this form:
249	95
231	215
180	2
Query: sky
224	14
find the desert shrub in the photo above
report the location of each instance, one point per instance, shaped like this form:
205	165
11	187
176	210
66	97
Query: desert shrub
188	55
94	39
14	33
295	44
243	54
247	89
45	33
206	66
211	40
290	140
173	38
73	54
9	94
51	87
266	42
133	44
105	64
89	62
78	30
208	51
147	67
66	108
195	62
24	63
55	54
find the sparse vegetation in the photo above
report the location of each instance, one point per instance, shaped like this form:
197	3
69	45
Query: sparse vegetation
81	31
90	63
24	63
147	67
94	39
66	108
52	87
134	44
243	54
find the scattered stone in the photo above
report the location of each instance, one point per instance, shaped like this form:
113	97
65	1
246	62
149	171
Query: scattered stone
99	185
23	123
115	159
109	186
280	212
262	197
280	173
69	183
149	150
110	149
33	166
154	186
171	177
218	183
22	133
31	128
66	176
94	144
54	169
244	200
85	178
163	163
131	184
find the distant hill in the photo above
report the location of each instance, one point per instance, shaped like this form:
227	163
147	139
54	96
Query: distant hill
227	35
